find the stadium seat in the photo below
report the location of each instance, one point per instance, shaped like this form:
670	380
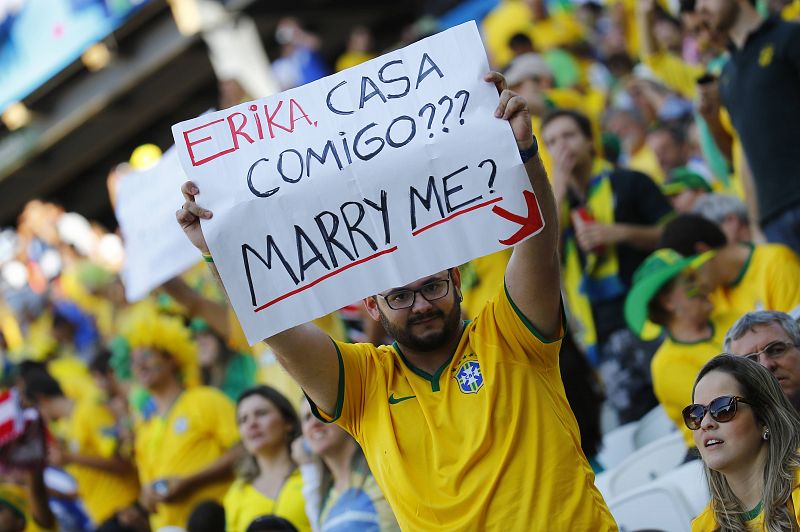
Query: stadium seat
653	426
617	445
689	481
643	466
657	505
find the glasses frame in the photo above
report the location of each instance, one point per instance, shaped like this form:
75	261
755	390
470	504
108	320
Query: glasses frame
755	356
419	291
707	409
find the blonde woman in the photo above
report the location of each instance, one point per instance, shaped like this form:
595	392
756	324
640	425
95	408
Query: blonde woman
748	436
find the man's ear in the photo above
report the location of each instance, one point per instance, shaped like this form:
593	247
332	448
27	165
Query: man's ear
455	276
371	304
701	247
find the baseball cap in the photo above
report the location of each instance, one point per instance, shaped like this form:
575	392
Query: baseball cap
656	271
684	178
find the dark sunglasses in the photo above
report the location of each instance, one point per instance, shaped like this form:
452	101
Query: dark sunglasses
722	410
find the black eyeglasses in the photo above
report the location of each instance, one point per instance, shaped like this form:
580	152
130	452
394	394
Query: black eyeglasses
431	291
773	350
722	410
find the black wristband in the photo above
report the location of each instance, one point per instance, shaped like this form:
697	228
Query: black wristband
531	152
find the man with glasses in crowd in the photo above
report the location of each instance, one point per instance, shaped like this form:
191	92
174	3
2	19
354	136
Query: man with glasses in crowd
772	339
465	426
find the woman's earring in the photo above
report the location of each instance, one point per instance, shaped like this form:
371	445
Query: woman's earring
765	436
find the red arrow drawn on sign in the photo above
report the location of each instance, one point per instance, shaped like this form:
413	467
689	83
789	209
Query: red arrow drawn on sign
530	223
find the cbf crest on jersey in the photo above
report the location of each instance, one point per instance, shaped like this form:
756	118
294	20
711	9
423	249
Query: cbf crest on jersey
468	374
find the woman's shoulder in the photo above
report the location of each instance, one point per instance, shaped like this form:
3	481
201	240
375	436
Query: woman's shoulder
705	522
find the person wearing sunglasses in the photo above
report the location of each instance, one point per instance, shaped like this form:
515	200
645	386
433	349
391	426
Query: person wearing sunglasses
748	435
464	425
664	291
772	339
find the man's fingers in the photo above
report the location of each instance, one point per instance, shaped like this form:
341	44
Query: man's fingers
498	79
197	210
509	98
515	104
189	190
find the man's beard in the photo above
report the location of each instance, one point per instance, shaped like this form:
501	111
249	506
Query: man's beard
431	341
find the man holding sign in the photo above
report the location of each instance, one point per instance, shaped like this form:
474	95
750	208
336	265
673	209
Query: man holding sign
464	425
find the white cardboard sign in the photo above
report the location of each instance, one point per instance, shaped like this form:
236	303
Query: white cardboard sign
367	179
156	249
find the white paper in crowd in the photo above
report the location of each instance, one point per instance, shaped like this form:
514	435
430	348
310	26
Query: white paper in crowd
367	179
156	249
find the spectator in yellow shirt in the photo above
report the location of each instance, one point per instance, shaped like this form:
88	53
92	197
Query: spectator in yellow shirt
94	451
741	277
728	212
269	481
664	291
186	440
684	188
631	128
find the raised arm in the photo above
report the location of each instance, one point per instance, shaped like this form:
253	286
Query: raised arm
307	353
532	274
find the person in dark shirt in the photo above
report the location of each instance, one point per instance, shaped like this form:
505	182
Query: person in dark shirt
610	220
759	86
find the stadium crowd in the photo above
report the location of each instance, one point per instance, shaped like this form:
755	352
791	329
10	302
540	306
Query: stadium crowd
667	131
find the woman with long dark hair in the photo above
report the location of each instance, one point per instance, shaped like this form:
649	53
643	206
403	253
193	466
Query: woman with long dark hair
748	436
269	482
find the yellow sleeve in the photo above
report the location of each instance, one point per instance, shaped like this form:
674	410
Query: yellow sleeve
676	74
357	367
705	522
503	318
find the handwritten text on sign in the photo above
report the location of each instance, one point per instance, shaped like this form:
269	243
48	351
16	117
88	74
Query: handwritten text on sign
364	180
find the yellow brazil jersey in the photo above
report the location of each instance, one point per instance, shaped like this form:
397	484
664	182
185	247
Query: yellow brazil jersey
768	281
198	429
676	364
243	503
706	522
486	443
93	432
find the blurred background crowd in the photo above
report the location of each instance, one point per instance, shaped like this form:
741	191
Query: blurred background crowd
157	414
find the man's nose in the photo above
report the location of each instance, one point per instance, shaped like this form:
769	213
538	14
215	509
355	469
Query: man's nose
420	304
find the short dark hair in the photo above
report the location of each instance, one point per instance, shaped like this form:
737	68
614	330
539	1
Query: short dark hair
270	523
208	516
580	119
101	363
519	39
685	231
675	131
40	384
